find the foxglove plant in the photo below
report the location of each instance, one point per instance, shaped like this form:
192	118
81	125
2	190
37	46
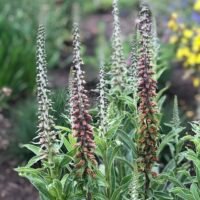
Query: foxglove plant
147	144
81	119
46	127
118	62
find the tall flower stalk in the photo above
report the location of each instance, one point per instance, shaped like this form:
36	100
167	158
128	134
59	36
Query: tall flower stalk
133	71
134	186
46	127
118	61
81	118
102	98
148	135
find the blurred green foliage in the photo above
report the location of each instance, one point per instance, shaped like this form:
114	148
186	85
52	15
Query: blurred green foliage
88	7
19	21
24	126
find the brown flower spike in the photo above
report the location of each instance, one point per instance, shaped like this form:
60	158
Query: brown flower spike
147	92
81	119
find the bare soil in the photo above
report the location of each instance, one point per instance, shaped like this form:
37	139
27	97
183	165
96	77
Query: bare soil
13	187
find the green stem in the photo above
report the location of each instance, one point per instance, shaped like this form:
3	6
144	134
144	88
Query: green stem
147	183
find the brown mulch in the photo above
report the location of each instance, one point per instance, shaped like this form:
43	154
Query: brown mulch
13	187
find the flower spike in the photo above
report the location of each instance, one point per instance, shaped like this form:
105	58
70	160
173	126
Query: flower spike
46	127
118	61
147	93
102	99
81	118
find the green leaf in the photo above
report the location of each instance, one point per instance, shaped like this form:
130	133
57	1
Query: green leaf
55	189
68	130
66	160
33	148
24	171
33	160
52	190
191	155
72	139
111	153
172	179
64	179
125	162
113	127
40	185
127	141
119	191
195	191
162	195
183	193
168	138
99	196
67	144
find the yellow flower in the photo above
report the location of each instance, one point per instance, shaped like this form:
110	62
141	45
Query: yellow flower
183	52
196	44
172	25
197	6
196	82
198	58
173	39
192	59
187	33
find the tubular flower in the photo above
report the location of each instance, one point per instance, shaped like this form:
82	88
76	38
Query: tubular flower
147	92
118	63
46	126
81	119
